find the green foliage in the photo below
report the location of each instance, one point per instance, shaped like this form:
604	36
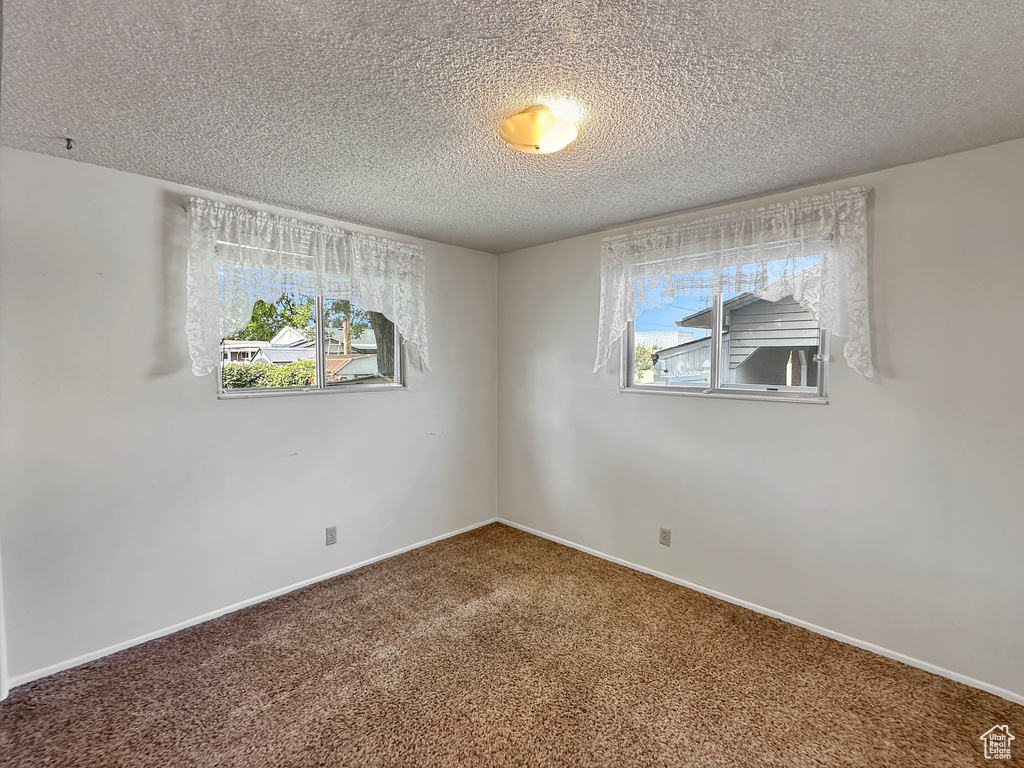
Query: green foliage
300	312
301	373
247	375
338	311
643	362
268	319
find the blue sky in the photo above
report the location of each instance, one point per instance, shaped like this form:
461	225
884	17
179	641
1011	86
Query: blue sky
664	319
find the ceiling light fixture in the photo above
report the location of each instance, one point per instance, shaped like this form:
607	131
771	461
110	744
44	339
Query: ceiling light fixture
539	131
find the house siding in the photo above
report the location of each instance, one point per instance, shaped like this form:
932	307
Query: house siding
782	323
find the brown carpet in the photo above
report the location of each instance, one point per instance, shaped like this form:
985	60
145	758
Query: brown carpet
498	648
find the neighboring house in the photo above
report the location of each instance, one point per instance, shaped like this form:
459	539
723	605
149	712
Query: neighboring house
348	367
364	344
284	355
770	343
239	351
287	346
290	344
683	363
662	339
288	337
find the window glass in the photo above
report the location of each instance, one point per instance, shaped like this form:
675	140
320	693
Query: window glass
276	349
672	345
279	349
769	345
359	345
769	342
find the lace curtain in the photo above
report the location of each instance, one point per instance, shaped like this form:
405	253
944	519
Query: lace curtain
813	249
237	256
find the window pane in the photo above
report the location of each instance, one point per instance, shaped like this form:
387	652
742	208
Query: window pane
360	345
769	345
672	345
276	349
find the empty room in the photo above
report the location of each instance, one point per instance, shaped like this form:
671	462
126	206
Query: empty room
530	383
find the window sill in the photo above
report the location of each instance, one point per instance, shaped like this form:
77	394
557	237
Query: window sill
726	395
245	394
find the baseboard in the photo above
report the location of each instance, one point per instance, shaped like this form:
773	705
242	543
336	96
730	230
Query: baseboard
909	660
92	656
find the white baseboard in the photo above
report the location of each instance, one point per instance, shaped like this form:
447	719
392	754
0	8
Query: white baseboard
93	655
928	667
909	660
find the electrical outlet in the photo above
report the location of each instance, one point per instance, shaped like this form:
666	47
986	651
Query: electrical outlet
332	535
665	537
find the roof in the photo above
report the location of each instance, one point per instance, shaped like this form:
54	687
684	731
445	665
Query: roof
365	340
353	365
285	355
335	363
679	348
702	319
298	338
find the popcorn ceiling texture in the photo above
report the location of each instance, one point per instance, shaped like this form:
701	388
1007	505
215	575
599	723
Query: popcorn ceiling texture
386	113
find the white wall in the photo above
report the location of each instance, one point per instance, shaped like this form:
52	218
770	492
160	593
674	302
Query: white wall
131	499
894	515
4	684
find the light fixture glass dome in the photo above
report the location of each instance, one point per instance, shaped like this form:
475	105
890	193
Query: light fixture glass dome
539	131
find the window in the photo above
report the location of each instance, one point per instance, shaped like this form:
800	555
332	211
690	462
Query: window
282	349
743	304
758	347
278	306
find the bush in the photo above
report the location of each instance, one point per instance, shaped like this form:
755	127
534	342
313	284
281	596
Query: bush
248	375
301	373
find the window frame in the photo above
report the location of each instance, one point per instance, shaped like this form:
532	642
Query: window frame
627	377
320	387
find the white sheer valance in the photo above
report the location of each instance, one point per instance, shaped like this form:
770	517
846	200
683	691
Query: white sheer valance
813	249
237	256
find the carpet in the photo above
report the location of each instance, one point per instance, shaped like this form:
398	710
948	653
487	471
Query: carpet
497	648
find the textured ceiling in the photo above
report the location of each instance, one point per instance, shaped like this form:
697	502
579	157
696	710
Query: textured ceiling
386	113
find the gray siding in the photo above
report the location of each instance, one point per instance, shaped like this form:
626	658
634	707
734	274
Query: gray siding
782	323
686	361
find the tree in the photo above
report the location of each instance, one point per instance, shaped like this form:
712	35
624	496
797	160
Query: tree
352	320
299	313
643	362
384	333
268	319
